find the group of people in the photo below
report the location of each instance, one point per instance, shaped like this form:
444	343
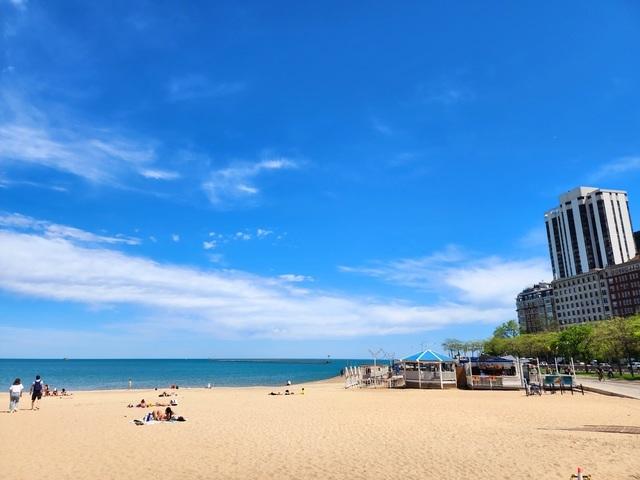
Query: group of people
600	372
145	404
15	394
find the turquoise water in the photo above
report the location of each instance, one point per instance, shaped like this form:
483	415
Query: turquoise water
114	374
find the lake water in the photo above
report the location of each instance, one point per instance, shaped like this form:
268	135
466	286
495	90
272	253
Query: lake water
115	374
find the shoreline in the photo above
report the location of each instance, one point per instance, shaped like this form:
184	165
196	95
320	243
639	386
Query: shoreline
330	380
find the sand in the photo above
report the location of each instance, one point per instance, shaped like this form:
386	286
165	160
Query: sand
329	433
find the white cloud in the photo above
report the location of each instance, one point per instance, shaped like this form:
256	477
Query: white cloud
216	257
236	183
159	174
175	237
100	155
243	236
16	221
616	168
490	282
263	232
447	92
218	302
190	87
19	4
292	277
381	127
209	245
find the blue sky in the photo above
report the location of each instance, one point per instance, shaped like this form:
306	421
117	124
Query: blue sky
223	179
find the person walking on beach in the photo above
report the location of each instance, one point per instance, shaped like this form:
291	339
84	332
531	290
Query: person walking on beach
36	392
15	392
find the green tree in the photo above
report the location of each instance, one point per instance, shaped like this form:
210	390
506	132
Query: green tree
618	338
576	341
508	329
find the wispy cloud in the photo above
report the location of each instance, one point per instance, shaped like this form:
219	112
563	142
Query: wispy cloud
197	86
175	237
294	278
381	127
478	283
19	4
237	182
263	232
447	92
216	303
29	137
159	174
23	223
616	168
209	245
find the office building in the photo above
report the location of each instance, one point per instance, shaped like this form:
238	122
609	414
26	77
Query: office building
623	282
582	298
536	310
590	229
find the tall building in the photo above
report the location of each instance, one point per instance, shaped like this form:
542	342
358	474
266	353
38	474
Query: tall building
582	298
624	288
590	229
535	306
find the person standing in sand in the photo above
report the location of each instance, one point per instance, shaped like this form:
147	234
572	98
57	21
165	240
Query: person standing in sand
15	392
36	392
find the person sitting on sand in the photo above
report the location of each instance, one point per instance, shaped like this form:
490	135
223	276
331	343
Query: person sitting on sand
47	392
164	394
142	404
158	416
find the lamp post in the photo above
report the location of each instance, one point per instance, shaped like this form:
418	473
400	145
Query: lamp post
375	355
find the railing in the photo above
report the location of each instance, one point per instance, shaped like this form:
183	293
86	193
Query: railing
494	381
428	376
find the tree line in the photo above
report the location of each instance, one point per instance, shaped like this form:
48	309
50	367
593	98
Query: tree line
616	341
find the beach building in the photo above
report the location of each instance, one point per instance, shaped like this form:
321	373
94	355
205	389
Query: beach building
428	369
591	228
536	308
492	373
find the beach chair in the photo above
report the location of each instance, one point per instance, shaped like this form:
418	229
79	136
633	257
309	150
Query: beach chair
566	382
550	383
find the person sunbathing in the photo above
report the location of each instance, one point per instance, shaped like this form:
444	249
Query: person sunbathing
158	416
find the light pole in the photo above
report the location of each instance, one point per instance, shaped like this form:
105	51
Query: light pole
375	355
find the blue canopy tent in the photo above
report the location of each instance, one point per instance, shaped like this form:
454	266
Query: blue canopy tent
428	369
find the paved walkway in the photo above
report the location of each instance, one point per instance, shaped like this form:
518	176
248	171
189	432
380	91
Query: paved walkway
612	387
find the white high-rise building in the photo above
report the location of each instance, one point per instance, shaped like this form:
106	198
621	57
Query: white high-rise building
591	228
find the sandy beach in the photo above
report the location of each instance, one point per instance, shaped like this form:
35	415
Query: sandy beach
329	433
